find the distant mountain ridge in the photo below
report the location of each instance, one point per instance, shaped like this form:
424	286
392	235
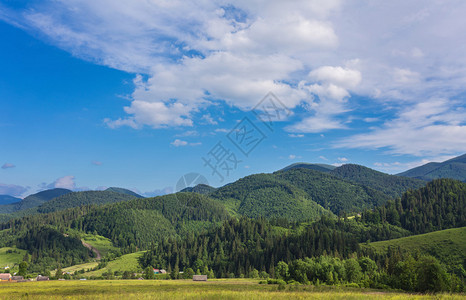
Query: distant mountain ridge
123	191
318	167
33	200
203	189
392	185
7	199
454	168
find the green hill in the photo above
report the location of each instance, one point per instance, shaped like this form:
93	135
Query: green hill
203	189
454	168
318	167
267	196
441	204
123	191
76	199
332	192
391	185
449	246
32	201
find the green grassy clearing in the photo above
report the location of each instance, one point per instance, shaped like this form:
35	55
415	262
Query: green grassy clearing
449	245
102	244
11	259
127	262
187	289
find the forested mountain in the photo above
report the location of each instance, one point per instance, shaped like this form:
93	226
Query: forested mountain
7	199
123	191
454	168
265	195
318	167
76	199
203	189
227	236
391	185
441	204
332	192
33	200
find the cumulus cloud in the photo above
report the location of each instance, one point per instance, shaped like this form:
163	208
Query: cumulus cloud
179	143
429	128
315	54
65	182
8	166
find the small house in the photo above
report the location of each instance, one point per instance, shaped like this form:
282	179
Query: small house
156	271
162	271
199	277
5	277
17	278
42	278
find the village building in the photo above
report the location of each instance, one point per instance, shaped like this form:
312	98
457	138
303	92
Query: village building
42	278
199	277
5	277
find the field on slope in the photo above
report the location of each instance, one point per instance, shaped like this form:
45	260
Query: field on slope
127	262
10	257
187	289
448	245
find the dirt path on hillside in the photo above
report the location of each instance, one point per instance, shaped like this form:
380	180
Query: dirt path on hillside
88	246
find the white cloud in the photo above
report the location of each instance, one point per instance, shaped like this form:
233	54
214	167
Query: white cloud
208	118
188	133
323	157
195	53
8	166
343	159
65	182
292	156
223	130
179	143
431	128
96	163
343	77
292	135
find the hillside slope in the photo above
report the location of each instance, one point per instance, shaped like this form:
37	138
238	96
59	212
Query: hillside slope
317	167
123	191
76	199
454	168
7	199
449	246
332	192
391	185
267	196
33	200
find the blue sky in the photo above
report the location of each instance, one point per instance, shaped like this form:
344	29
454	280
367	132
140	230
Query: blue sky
136	94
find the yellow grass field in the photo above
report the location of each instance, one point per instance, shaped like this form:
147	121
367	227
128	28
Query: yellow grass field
187	289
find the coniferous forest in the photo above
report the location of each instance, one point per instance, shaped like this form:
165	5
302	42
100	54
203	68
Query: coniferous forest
293	226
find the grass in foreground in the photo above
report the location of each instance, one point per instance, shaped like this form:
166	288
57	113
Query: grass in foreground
187	289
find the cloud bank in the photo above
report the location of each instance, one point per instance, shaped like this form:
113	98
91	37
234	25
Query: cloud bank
326	56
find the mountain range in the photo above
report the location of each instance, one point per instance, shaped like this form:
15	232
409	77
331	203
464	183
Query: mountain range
304	210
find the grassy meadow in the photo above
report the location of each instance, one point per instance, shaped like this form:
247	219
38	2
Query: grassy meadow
187	289
10	257
447	245
127	262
